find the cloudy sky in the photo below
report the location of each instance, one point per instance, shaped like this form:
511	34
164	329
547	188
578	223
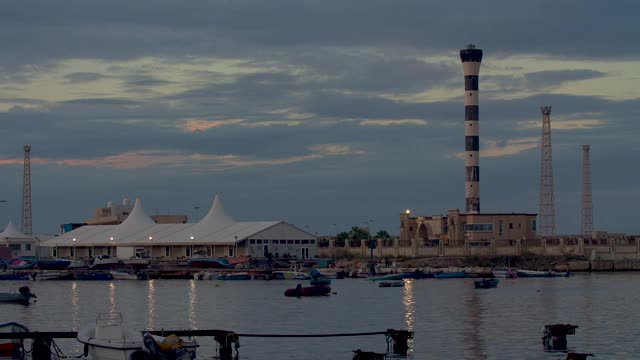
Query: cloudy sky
325	114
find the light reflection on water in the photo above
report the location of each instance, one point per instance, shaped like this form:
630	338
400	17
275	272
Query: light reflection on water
449	317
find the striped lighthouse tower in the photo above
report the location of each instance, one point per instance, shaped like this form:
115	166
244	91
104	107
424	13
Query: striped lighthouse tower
471	58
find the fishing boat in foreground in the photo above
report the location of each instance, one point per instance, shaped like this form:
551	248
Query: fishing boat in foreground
23	296
486	283
109	340
12	348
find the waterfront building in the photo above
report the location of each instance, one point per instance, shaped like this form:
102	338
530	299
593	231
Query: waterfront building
217	234
19	243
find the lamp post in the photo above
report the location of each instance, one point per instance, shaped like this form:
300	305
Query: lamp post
74	248
372	242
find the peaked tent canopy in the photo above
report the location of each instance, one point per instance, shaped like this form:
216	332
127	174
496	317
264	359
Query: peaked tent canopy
11	232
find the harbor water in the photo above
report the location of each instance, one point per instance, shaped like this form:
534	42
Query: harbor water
450	318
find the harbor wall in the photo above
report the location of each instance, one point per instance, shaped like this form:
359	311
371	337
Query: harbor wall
617	252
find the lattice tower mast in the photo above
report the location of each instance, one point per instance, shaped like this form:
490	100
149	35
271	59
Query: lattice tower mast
547	214
471	59
587	205
26	192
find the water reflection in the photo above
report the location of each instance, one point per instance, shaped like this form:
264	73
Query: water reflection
151	303
409	316
112	298
192	305
474	316
75	309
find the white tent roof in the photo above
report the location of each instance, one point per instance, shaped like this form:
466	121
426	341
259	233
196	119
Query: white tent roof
11	232
217	227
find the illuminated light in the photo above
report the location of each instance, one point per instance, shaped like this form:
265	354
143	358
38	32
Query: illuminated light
192	238
150	237
407	211
111	238
74	239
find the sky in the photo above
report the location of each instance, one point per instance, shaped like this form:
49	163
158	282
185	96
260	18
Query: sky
324	114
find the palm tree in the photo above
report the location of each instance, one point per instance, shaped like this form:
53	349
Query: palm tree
383	234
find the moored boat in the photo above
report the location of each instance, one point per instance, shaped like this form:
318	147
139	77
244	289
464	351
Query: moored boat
23	296
12	348
123	275
298	291
387	277
94	275
21	264
13	276
391	284
52	275
105	262
534	273
55	264
135	263
505	274
234	276
486	283
450	275
209	263
320	281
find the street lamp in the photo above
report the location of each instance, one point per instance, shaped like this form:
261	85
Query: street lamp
372	242
74	248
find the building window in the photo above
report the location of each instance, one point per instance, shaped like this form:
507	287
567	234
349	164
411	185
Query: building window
304	241
410	228
252	242
55	252
511	226
478	227
109	250
534	224
27	247
258	241
15	247
167	251
312	241
188	252
230	251
289	242
297	241
500	227
73	252
283	241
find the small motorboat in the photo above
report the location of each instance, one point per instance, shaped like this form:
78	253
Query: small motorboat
234	276
505	274
205	275
94	275
135	263
109	340
486	283
105	262
12	348
533	273
391	284
123	275
23	296
298	291
52	275
21	264
392	277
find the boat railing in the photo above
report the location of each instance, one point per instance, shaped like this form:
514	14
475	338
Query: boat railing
109	319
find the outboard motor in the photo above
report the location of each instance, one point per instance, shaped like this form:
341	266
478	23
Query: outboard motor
25	291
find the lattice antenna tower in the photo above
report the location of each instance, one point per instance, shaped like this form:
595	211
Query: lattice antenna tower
587	205
26	192
547	214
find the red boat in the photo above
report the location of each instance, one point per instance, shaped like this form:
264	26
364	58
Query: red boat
12	348
320	290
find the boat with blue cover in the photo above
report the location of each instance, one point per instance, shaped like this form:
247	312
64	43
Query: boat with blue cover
450	275
55	264
486	283
209	263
